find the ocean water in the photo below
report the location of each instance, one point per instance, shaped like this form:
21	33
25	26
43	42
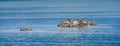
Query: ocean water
43	16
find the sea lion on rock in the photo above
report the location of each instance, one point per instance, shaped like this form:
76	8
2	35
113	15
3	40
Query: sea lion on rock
76	23
66	23
86	23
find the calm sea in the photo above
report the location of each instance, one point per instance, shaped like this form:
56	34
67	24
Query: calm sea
43	17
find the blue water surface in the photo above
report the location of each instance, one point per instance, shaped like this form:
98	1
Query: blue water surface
43	16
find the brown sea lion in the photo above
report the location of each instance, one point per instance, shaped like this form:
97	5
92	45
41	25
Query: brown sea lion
76	23
66	23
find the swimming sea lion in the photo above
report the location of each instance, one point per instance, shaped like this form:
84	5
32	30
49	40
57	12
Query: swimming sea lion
25	29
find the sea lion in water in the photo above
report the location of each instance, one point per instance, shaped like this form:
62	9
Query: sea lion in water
76	23
25	29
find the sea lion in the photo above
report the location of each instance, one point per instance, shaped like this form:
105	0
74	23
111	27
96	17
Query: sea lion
76	23
25	29
66	23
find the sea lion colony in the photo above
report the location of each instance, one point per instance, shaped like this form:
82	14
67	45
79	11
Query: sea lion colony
76	23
